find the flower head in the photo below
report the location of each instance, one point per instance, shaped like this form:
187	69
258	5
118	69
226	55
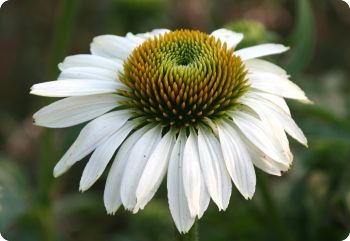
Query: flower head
179	103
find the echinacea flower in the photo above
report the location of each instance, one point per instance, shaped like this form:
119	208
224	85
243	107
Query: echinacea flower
181	103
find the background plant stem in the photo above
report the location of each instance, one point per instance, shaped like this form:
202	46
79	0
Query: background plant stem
49	151
62	35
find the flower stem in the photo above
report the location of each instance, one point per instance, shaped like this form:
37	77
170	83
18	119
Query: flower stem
192	235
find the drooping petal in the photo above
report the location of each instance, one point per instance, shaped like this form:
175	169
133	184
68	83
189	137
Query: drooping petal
253	129
212	162
276	116
75	87
275	99
263	162
112	196
272	128
192	174
90	137
281	137
102	155
232	39
75	110
136	163
88	60
176	194
154	170
237	159
204	198
261	51
112	46
276	85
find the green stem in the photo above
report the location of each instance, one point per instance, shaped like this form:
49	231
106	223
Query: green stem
192	235
278	223
49	151
62	35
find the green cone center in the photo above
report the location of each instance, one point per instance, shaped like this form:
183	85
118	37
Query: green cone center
182	77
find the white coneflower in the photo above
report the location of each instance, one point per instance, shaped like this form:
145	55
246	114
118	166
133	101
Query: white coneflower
179	103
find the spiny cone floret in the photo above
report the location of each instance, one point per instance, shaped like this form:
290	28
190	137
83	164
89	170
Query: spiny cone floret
182	77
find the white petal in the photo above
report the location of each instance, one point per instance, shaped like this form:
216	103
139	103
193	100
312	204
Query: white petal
260	51
213	167
137	40
263	162
254	130
176	194
237	159
102	155
277	85
204	198
275	99
75	110
232	39
111	197
276	116
88	60
90	137
272	128
137	160
259	65
154	170
75	87
89	73
141	37
192	173
112	46
281	137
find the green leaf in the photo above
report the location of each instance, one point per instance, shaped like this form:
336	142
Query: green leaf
15	193
302	40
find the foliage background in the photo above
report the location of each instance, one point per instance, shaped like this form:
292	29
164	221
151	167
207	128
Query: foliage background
310	202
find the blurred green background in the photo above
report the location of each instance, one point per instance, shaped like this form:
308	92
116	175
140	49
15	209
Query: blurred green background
311	202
